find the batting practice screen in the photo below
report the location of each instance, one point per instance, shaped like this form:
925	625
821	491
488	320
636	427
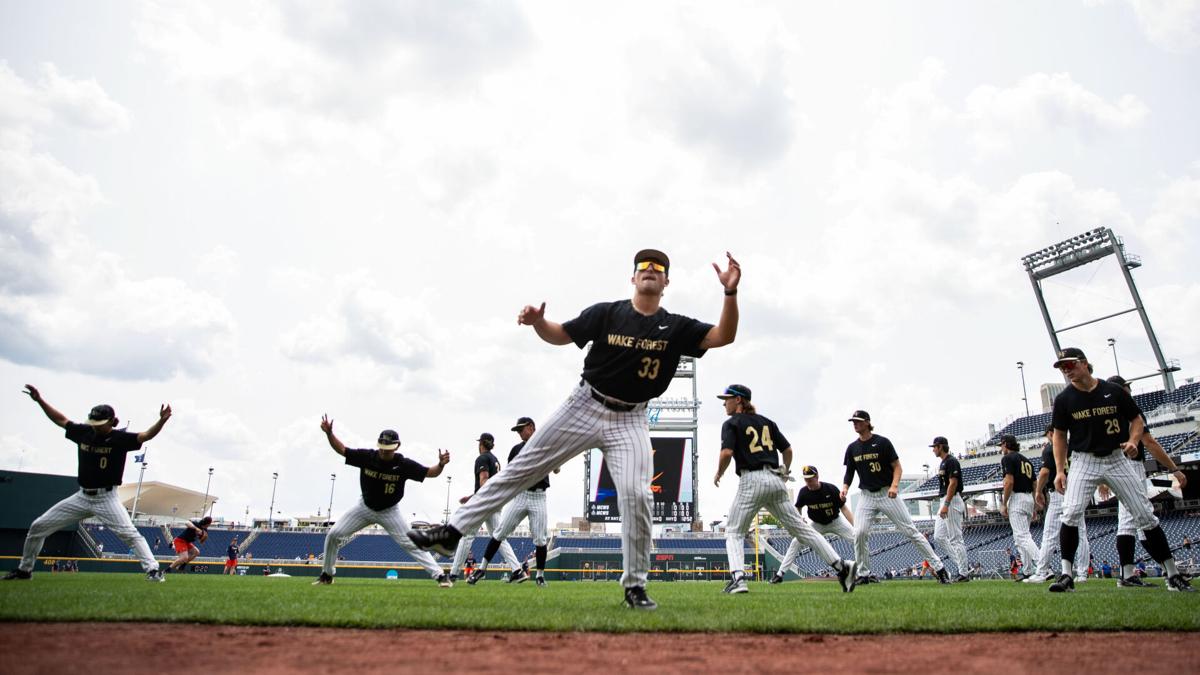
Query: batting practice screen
672	484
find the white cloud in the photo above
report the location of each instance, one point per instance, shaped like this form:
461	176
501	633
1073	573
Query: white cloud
82	104
1173	25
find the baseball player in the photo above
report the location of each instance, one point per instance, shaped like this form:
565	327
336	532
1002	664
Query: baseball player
381	476
1016	502
875	461
636	347
185	543
486	468
827	512
948	528
231	556
529	504
1126	532
754	443
101	455
1047	498
1100	422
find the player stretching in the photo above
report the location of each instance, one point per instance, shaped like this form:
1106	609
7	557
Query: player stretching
948	528
486	468
185	543
636	347
1016	503
878	466
1048	498
1126	532
1100	422
826	509
529	504
381	477
751	441
231	556
101	449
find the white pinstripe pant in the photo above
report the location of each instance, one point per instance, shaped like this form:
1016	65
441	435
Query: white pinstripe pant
948	533
1125	525
493	525
528	504
1126	479
1020	512
765	489
579	424
391	520
77	507
1050	531
839	526
871	504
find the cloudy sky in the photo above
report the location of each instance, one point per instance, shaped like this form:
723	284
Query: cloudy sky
263	212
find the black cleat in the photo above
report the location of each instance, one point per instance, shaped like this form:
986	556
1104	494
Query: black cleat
1065	584
441	539
846	576
518	577
961	579
1133	582
155	575
323	580
737	584
1178	583
18	574
863	581
445	581
943	577
1020	578
476	576
540	581
776	578
636	598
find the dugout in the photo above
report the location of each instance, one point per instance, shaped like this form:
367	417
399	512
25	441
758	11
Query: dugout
24	497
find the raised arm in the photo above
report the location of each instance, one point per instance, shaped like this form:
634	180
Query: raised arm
327	427
164	414
726	329
54	415
549	331
436	470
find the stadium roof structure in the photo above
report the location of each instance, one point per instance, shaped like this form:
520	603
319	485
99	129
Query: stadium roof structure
165	500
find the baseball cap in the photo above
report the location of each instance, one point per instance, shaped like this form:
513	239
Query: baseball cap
101	414
521	422
1119	381
1009	441
940	440
735	390
388	440
653	254
1069	354
808	471
860	416
485	437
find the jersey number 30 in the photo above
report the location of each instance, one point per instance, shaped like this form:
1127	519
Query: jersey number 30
765	438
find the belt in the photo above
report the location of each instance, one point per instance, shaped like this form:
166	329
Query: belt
761	467
612	403
92	492
536	490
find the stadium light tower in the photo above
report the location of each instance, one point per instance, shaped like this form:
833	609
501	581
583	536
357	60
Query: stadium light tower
271	511
1112	343
332	482
1024	391
1078	251
206	487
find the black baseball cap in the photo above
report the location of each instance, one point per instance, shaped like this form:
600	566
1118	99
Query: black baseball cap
940	440
1069	354
653	254
1119	381
735	390
808	471
101	414
522	422
1009	441
485	437
388	440
860	416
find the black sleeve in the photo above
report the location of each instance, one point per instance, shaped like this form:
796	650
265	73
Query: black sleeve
357	456
888	453
587	326
78	433
728	435
837	496
849	462
126	441
956	470
512	454
1006	465
481	464
412	470
691	334
1126	406
781	441
1060	417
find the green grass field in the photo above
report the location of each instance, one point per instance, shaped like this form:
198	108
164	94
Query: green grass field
589	606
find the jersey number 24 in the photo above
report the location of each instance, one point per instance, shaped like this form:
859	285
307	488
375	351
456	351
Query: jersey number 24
764	438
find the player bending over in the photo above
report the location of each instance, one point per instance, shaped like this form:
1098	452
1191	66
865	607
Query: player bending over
827	512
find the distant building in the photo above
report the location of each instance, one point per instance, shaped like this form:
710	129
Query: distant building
1049	391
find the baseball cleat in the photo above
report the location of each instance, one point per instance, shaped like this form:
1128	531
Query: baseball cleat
476	576
155	575
737	585
540	581
1036	579
1080	580
518	577
441	539
961	579
18	574
1020	578
1178	583
444	581
323	580
846	577
1132	582
636	598
863	581
1065	584
943	577
776	578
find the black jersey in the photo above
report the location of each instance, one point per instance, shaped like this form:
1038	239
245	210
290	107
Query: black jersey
101	458
755	440
1050	465
872	459
232	552
950	468
382	481
486	462
189	535
633	357
824	504
1096	421
512	454
1021	469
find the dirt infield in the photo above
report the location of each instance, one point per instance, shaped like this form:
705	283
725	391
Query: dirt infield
156	648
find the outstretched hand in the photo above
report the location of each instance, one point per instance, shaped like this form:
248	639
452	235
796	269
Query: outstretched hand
33	393
530	315
732	274
443	457
326	424
164	412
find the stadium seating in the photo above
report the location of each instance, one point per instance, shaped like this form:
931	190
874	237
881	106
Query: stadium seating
286	545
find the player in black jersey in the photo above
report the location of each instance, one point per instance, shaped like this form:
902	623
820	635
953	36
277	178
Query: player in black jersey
1049	500
827	511
948	528
1016	502
486	468
185	543
101	450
